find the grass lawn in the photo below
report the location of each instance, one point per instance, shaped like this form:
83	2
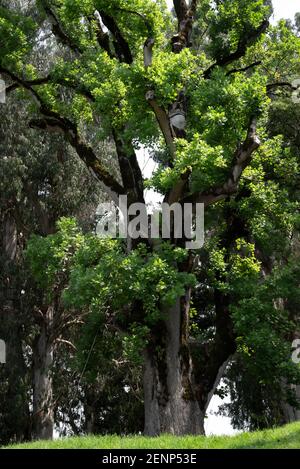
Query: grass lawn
286	437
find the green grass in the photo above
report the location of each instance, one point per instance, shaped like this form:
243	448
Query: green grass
286	437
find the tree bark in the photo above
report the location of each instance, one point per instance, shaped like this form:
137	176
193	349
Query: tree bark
290	413
90	411
170	402
43	414
14	409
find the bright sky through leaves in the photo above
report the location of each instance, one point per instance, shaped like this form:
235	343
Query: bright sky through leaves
282	8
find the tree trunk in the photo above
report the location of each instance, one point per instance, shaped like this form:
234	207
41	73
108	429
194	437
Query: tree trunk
14	408
89	410
170	402
43	415
292	414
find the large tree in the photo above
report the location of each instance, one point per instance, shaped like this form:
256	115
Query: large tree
195	86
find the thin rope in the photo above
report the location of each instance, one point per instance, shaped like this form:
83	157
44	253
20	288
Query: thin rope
84	367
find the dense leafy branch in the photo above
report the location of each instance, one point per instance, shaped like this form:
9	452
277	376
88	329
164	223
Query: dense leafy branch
58	29
241	160
244	42
102	37
130	171
139	15
52	121
121	45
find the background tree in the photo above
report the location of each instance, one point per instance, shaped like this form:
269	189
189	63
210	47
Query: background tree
33	196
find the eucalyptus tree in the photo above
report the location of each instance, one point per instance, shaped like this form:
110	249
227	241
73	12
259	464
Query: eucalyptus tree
197	85
33	195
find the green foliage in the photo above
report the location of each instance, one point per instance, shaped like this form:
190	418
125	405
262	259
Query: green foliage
206	163
16	31
222	106
220	113
232	20
116	280
104	278
50	256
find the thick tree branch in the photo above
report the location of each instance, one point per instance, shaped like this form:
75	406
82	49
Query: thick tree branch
28	84
148	46
172	123
149	43
19	82
243	69
177	191
243	156
244	42
280	84
132	178
121	45
283	84
181	9
163	121
242	159
185	17
176	113
66	342
52	121
11	88
58	29
102	37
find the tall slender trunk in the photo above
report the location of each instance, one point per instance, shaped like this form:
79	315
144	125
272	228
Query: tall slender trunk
170	402
290	413
43	414
14	408
89	410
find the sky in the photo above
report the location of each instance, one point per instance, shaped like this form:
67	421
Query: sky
285	8
214	424
282	8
